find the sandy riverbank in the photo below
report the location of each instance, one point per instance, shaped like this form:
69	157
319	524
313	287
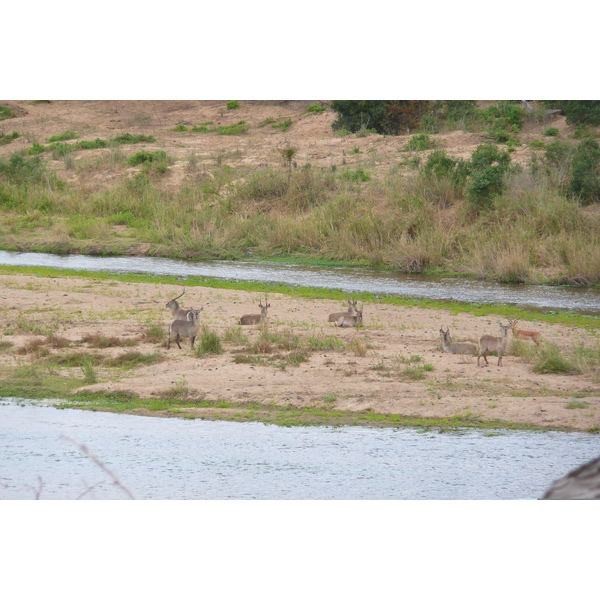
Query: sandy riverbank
398	341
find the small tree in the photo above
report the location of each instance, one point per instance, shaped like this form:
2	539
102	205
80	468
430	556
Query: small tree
585	172
488	167
578	111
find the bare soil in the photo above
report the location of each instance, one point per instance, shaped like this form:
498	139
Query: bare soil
310	133
344	380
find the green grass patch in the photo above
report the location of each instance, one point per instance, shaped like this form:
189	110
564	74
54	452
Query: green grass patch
64	136
238	128
6	113
7	138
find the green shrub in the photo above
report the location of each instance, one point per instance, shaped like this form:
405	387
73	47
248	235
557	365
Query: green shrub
384	116
551	360
208	342
551	132
355	175
7	138
63	137
128	138
6	113
233	104
147	157
179	127
585	172
419	142
238	128
315	108
19	169
284	125
488	168
578	111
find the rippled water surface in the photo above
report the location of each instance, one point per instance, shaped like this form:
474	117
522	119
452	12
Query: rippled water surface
159	458
585	300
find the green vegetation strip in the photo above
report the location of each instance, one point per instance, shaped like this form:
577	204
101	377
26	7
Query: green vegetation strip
564	317
283	416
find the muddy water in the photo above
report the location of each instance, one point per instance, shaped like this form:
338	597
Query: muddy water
585	300
180	459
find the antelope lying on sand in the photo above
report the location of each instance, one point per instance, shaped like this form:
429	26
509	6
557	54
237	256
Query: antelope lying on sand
491	343
333	317
346	320
524	334
177	312
255	319
456	347
180	329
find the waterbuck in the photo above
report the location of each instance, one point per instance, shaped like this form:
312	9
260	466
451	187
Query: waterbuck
524	334
255	319
333	317
180	329
346	320
492	343
177	312
456	347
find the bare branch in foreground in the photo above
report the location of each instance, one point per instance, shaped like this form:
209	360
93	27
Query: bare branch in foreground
89	453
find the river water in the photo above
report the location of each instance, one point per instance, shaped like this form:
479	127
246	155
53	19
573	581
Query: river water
156	458
584	300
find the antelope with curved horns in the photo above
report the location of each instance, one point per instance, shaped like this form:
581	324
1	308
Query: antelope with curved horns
524	334
346	320
492	343
255	319
178	313
180	329
333	317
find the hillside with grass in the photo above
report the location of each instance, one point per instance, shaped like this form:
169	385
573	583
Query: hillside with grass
493	190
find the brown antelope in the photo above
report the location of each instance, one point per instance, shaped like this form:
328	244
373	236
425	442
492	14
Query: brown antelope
524	334
255	319
492	343
346	320
180	329
177	312
456	347
333	317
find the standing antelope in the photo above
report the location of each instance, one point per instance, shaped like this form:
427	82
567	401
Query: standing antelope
177	312
255	319
351	311
456	347
492	343
524	334
346	320
180	329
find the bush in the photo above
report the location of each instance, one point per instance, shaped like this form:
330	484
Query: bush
233	104
551	132
209	342
63	137
19	169
6	113
315	108
7	138
585	172
385	116
488	167
128	138
419	142
578	111
147	157
236	129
